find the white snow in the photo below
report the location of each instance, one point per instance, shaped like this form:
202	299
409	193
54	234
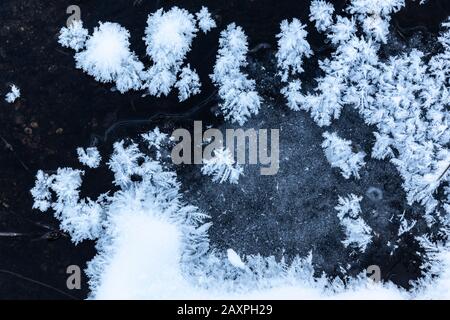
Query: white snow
145	261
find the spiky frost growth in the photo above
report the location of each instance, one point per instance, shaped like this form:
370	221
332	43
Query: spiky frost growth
74	36
321	12
349	206
292	93
382	146
222	167
13	94
382	8
41	191
257	277
205	21
168	37
152	201
408	108
440	63
155	138
435	280
342	30
89	157
326	104
339	154
405	226
237	92
292	48
352	61
375	16
147	203
421	185
81	218
188	83
108	58
357	232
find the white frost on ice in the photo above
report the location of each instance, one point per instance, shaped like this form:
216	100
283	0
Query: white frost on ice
151	245
13	94
292	48
357	232
321	12
235	260
106	54
90	157
168	37
205	21
222	167
405	98
108	58
80	218
74	36
188	83
239	98
339	154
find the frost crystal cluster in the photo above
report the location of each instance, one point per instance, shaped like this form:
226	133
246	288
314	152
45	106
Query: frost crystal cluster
340	155
74	36
239	98
106	54
357	232
321	12
205	21
147	193
80	218
13	94
352	53
145	227
108	57
188	84
152	245
155	138
292	49
168	38
89	157
222	167
404	96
